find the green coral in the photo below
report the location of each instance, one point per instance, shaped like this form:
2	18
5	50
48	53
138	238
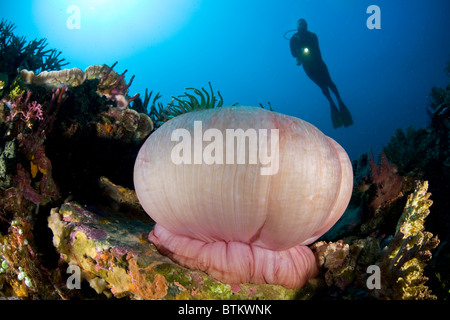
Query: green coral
17	89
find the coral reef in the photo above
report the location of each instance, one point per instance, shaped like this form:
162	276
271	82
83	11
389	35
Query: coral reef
389	206
382	227
401	258
16	54
63	131
378	197
44	131
424	153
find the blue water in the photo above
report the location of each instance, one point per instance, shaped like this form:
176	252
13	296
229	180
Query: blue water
384	75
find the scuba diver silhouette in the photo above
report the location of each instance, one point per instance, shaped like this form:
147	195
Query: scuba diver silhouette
305	47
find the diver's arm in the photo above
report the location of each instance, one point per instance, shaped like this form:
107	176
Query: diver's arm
316	45
295	49
293	45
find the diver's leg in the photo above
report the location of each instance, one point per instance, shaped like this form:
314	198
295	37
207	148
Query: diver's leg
335	116
334	89
345	113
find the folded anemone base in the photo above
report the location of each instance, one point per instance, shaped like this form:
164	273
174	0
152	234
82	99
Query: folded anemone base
237	262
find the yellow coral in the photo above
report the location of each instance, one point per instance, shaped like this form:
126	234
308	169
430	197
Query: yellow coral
16	90
404	262
33	169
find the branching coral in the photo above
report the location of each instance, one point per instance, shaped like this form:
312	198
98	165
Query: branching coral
16	53
400	258
403	262
26	111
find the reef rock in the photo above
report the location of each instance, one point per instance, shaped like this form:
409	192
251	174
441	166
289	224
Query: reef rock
110	81
114	256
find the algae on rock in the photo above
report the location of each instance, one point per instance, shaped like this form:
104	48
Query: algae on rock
114	256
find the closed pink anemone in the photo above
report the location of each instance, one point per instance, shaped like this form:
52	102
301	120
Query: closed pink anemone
248	219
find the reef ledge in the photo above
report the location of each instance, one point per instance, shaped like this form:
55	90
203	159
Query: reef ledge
116	259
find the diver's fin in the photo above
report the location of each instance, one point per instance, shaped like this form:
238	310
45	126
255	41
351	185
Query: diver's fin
335	116
345	115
